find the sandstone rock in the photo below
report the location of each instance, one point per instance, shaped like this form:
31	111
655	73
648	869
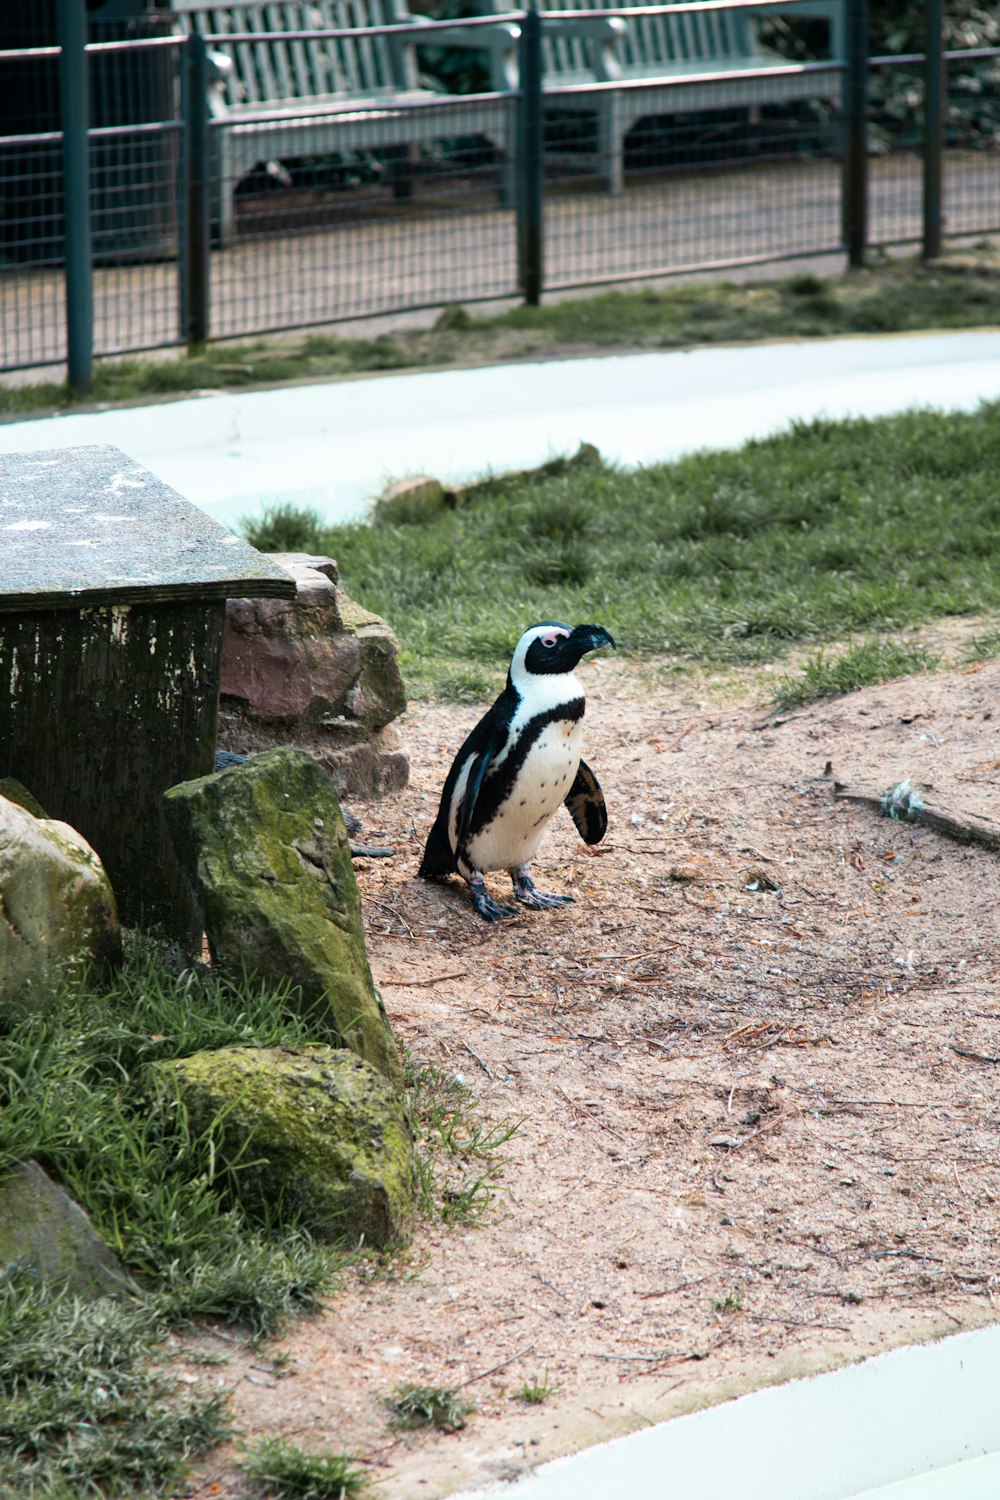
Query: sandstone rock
43	1227
265	847
322	1134
317	671
410	501
57	908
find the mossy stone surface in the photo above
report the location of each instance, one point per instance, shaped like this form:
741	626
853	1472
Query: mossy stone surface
265	847
41	1226
16	792
57	913
322	1134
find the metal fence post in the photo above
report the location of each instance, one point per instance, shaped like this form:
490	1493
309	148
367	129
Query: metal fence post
935	94
530	250
74	103
195	278
855	185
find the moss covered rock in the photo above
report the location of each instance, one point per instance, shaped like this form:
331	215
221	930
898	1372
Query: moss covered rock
57	908
41	1226
314	1130
266	850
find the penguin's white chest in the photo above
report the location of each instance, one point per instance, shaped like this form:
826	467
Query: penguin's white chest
544	778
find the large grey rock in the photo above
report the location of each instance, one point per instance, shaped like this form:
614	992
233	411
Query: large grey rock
57	908
266	850
320	1132
317	671
41	1226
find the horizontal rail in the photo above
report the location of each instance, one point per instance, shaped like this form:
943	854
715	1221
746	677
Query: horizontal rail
686	80
154	128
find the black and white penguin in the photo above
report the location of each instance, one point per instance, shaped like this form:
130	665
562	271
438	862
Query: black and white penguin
519	763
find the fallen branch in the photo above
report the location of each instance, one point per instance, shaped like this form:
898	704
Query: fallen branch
983	1057
905	804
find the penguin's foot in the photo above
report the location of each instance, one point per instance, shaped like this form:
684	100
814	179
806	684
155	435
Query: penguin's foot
528	893
484	903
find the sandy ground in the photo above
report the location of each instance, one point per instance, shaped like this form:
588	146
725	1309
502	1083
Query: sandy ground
756	1066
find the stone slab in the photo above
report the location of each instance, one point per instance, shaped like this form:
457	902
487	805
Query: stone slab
90	526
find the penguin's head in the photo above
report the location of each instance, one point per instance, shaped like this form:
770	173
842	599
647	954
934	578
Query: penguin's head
552	647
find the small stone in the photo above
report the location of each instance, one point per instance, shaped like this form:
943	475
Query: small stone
41	1226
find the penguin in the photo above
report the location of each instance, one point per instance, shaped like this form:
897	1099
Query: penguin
519	763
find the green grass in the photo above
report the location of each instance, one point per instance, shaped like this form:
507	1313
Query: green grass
460	1155
536	1393
288	1473
81	1412
827	675
956	293
827	531
437	1406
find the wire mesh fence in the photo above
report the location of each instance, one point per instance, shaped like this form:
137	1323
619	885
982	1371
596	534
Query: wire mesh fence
396	197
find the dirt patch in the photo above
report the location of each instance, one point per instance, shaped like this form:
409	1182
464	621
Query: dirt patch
757	1066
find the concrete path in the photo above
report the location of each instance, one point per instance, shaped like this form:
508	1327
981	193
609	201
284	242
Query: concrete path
915	1424
333	446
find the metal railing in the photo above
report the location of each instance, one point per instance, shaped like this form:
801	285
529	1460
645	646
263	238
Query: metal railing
111	242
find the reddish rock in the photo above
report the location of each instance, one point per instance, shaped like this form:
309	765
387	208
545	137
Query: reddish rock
317	671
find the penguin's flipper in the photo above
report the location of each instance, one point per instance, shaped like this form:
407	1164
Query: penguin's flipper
585	802
480	764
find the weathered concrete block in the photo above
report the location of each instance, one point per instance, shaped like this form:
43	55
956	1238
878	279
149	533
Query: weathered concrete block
57	908
43	1227
265	847
322	1133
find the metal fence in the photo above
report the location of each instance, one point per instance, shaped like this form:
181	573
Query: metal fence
112	232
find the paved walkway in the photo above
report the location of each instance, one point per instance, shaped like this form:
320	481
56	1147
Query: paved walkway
333	446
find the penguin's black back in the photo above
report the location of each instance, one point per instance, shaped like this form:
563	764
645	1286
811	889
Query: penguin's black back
490	734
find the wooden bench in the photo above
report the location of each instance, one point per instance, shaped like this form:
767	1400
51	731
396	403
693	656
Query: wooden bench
645	56
305	94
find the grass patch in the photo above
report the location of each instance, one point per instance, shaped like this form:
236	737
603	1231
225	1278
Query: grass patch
459	1154
863	527
536	1394
984	645
82	1413
828	676
80	1410
959	292
286	1471
437	1406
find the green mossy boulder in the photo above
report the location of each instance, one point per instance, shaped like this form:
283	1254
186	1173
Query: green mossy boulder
265	847
41	1226
57	908
314	1133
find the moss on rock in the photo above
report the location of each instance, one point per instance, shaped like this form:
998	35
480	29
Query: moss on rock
314	1132
265	846
57	908
41	1226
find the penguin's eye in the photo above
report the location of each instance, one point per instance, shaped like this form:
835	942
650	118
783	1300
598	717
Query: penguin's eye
550	640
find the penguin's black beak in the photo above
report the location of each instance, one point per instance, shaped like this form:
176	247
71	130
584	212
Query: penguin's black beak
588	638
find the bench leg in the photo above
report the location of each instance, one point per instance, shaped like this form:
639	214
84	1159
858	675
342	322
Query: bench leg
611	142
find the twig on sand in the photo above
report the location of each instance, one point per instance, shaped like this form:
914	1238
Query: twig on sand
905	803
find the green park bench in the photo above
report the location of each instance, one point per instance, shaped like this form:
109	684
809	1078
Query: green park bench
302	94
113	593
716	55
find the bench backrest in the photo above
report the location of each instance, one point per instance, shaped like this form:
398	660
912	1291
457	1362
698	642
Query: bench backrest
265	73
649	40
